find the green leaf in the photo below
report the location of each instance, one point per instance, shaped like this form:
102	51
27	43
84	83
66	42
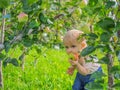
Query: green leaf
7	46
9	60
94	86
93	36
49	21
118	54
106	23
27	41
104	60
109	4
116	85
21	57
2	56
105	37
42	18
14	62
118	15
115	68
33	24
39	2
26	6
100	46
38	50
88	50
6	61
30	2
117	27
97	74
92	2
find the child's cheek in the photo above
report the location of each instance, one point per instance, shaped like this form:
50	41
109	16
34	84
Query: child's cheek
79	49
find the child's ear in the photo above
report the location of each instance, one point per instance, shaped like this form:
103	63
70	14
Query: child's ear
83	44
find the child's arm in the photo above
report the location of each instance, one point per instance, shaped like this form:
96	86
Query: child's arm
81	61
80	66
70	70
82	70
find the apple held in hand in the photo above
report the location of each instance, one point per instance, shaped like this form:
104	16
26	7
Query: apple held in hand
22	17
74	56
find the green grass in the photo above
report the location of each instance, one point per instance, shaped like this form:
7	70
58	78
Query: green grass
47	72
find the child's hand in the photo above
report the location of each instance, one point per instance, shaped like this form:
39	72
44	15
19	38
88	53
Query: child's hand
70	70
73	62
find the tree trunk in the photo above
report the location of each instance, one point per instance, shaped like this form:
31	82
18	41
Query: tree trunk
110	76
1	42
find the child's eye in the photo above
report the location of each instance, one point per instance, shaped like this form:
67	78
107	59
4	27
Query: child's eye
66	47
73	46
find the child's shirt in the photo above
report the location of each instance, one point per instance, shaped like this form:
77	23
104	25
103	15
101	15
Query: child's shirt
92	66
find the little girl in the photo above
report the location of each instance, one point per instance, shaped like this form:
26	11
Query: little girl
74	45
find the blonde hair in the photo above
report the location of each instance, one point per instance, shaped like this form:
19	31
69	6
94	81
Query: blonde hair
72	35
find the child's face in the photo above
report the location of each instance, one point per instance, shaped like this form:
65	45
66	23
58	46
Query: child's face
73	43
72	47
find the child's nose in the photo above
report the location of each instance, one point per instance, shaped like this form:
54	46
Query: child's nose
69	50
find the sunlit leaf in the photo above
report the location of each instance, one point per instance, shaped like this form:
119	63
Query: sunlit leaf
118	15
31	1
100	46
92	2
4	3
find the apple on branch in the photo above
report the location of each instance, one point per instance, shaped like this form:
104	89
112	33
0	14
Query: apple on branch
22	17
